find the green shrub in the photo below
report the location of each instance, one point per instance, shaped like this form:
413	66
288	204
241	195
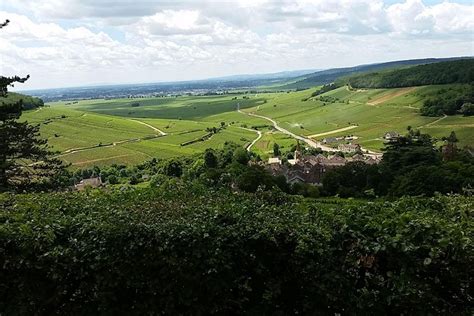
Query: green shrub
183	249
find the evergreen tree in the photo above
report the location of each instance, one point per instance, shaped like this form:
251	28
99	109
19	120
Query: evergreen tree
25	159
276	150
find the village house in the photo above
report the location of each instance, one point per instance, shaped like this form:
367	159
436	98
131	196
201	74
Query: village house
94	182
275	160
365	159
391	136
349	148
330	140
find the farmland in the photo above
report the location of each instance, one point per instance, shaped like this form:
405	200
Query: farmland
128	131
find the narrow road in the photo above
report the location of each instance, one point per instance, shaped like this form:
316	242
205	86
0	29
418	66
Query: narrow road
310	142
259	135
150	126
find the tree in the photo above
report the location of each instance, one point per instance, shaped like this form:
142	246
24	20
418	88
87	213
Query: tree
241	156
276	150
253	177
173	168
210	159
467	109
112	179
25	159
450	150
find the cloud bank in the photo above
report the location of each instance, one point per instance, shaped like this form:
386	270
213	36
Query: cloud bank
78	42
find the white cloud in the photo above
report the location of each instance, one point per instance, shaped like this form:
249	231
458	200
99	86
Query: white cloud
170	22
74	42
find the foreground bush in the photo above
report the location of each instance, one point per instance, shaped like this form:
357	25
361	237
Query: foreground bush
187	250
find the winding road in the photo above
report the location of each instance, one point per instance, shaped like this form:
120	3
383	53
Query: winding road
259	135
309	142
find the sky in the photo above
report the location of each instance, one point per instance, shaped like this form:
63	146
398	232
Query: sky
64	43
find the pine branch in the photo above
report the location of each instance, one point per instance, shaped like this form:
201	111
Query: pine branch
2	25
8	81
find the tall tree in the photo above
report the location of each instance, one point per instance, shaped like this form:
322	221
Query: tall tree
276	150
25	159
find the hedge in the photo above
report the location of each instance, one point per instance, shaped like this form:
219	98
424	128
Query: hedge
183	249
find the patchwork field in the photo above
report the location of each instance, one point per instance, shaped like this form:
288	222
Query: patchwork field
128	131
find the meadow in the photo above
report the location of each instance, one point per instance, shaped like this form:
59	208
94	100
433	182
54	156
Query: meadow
128	131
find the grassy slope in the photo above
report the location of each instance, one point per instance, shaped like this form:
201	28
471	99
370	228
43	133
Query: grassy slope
396	113
91	122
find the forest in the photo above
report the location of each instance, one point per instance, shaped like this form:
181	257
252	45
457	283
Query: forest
451	101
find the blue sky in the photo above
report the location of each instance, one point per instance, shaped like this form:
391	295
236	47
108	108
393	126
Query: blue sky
81	42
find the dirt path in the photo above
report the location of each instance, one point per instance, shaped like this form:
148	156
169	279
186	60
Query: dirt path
125	141
100	159
150	126
333	131
391	95
259	135
434	122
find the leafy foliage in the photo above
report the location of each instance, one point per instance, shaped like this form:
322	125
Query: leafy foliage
450	101
411	165
185	249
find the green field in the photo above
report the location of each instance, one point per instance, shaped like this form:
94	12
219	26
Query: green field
101	132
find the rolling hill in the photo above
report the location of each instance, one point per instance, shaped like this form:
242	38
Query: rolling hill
28	102
457	71
102	132
331	75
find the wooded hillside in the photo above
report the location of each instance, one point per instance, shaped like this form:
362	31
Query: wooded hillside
28	101
458	71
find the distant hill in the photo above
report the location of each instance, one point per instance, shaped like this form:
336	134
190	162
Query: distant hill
28	101
331	75
275	75
457	71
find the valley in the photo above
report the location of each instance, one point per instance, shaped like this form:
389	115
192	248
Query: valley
129	131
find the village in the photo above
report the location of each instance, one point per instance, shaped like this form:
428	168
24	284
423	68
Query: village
310	169
303	167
